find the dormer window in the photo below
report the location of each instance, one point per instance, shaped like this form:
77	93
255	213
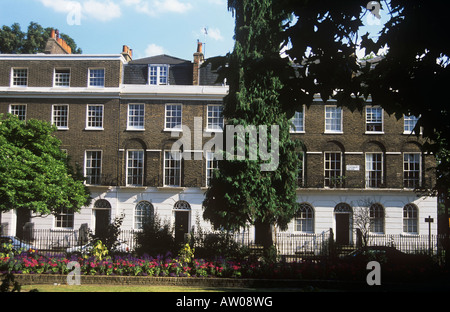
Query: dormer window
158	74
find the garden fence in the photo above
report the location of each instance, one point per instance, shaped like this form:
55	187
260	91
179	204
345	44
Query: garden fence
291	246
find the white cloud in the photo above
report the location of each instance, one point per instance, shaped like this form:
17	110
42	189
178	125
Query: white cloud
102	10
214	33
153	49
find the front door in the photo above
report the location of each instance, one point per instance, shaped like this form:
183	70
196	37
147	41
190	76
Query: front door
342	228
101	222
181	225
23	217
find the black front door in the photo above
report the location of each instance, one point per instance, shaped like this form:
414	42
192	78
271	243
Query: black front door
181	225
342	228
101	222
23	216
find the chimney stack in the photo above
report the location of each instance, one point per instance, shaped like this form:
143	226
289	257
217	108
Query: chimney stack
198	61
56	45
127	53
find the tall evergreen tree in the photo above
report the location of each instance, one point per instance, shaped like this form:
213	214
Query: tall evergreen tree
241	193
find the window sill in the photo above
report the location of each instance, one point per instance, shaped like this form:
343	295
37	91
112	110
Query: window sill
213	130
374	132
173	130
94	129
135	129
333	132
63	129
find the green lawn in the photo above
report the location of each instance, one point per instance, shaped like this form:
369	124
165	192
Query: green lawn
128	288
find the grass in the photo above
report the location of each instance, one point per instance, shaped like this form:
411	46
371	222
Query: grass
147	289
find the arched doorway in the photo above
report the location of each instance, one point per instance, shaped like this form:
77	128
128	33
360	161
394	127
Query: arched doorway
102	216
182	211
343	217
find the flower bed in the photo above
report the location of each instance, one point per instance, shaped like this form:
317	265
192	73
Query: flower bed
128	265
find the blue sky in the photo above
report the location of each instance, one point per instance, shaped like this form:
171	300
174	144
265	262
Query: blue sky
149	27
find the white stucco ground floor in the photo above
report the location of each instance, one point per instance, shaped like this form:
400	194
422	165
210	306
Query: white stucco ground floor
338	211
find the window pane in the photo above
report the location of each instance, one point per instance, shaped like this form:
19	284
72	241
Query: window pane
374	119
20	77
93	167
333	120
97	77
95	116
60	116
173	116
172	169
411	170
135	168
62	77
215	118
19	110
136	114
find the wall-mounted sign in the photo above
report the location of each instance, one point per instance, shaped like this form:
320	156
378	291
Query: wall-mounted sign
352	167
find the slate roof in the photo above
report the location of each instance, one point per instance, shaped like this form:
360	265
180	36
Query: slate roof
180	71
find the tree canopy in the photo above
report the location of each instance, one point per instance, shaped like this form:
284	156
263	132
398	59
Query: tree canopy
34	172
14	41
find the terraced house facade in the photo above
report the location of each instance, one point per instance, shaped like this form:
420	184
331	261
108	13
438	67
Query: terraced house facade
118	118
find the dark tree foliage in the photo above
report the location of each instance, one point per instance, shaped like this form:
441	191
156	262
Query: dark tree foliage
410	79
14	41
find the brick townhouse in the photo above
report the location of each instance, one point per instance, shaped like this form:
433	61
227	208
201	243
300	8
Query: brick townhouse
118	118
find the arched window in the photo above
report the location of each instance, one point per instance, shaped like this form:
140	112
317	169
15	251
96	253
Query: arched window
343	208
376	218
182	205
410	218
304	219
102	204
142	212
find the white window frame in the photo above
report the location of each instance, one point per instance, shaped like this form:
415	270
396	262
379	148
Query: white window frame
136	179
158	76
86	167
407	123
54	122
167	166
19	112
143	209
377	219
215	122
333	172
370	119
89	122
92	79
410	219
64	219
330	119
407	163
58	80
14	77
168	117
369	169
211	165
304	219
132	123
298	122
